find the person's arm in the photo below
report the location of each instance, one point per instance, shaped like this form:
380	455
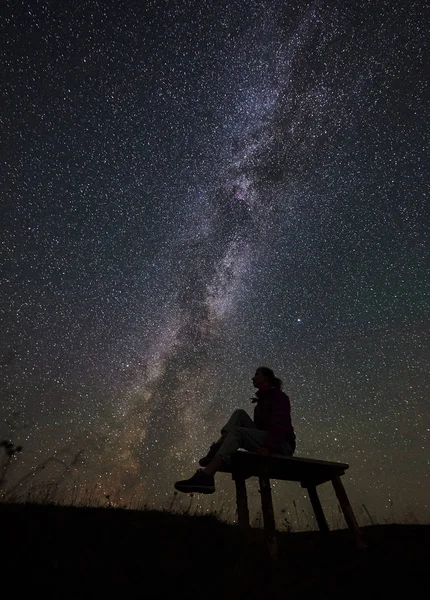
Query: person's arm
280	422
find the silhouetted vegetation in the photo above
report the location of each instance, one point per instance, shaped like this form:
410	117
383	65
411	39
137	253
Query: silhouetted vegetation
70	549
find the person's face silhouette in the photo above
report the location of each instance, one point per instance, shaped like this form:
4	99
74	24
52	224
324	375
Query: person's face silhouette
260	381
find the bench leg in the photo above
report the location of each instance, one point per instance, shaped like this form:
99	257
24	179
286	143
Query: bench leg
348	513
268	515
241	503
318	510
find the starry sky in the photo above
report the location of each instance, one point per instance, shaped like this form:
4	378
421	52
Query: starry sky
190	190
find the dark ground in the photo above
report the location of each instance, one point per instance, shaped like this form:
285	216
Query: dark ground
102	552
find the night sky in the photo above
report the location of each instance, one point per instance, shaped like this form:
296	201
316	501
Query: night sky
191	189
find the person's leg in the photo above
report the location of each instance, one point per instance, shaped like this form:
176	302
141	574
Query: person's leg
239	437
239	418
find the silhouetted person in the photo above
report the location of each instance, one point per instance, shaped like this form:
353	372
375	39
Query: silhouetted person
271	432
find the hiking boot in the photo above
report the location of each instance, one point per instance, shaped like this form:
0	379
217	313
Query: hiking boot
206	460
199	483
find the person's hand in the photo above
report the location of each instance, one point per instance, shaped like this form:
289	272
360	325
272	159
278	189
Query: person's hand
263	452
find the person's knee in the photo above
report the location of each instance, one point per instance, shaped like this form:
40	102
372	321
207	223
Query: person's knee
239	412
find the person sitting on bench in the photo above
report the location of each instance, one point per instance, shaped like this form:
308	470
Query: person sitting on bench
271	432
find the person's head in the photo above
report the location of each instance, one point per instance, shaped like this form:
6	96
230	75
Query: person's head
265	379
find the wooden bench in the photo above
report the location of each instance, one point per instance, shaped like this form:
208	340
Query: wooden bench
308	472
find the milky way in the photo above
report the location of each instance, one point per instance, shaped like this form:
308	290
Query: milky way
191	190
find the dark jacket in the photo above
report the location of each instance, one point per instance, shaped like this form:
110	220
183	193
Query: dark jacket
272	413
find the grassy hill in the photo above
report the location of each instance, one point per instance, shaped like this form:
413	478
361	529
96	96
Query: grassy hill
90	552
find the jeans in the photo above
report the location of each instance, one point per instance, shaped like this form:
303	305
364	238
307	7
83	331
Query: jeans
243	433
